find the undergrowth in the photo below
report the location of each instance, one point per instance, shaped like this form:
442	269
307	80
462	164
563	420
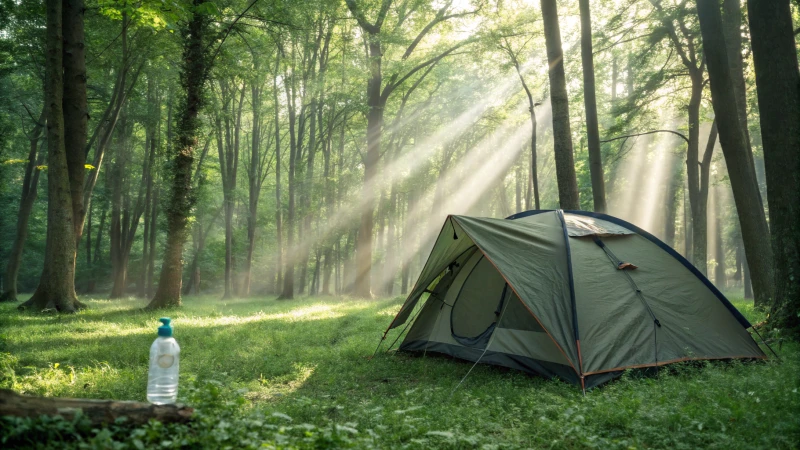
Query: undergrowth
295	374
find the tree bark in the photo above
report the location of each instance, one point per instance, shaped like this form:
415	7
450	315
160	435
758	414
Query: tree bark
56	288
97	411
559	100
193	76
778	83
76	111
732	27
590	104
755	232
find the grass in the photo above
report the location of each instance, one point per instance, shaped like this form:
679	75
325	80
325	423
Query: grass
296	374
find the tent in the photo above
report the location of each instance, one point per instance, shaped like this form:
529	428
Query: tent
570	294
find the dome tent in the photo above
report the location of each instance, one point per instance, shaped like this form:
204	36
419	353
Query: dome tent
570	294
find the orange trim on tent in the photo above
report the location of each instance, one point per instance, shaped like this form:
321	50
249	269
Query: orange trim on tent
672	361
523	303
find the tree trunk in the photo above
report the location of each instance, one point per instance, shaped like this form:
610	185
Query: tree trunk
151	263
278	164
118	267
153	130
112	114
747	281
533	179
755	232
732	26
91	285
253	186
76	111
590	103
376	104
778	83
700	205
56	288
559	100
675	182
228	152
193	77
719	248
330	201
688	232
30	186
305	238
288	276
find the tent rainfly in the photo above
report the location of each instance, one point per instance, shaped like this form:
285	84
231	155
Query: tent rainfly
570	294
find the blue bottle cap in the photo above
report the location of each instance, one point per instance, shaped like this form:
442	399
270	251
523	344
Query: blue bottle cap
165	330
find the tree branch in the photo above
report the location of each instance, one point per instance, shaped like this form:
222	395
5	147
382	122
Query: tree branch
441	16
228	31
646	133
389	88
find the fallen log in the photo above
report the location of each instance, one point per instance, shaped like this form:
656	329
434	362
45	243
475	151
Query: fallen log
97	411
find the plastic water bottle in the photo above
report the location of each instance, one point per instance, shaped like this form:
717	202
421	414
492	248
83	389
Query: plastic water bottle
162	381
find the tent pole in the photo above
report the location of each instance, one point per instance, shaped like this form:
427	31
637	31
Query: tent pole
405	328
376	348
765	343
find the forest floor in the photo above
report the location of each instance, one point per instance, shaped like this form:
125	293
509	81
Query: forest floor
295	374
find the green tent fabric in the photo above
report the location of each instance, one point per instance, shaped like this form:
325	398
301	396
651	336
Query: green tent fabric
570	294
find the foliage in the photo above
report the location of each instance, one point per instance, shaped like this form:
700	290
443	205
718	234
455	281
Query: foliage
296	375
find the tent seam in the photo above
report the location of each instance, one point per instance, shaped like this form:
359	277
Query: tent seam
520	297
575	330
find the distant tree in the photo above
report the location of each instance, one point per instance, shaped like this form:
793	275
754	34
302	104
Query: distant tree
590	104
532	196
30	185
194	72
559	100
377	96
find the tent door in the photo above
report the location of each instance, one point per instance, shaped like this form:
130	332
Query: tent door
477	308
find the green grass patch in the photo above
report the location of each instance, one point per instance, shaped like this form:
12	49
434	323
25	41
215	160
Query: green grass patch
295	374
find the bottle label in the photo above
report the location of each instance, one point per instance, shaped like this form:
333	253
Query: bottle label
166	361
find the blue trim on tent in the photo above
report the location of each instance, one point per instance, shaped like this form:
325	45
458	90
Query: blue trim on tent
739	317
532	212
571	278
